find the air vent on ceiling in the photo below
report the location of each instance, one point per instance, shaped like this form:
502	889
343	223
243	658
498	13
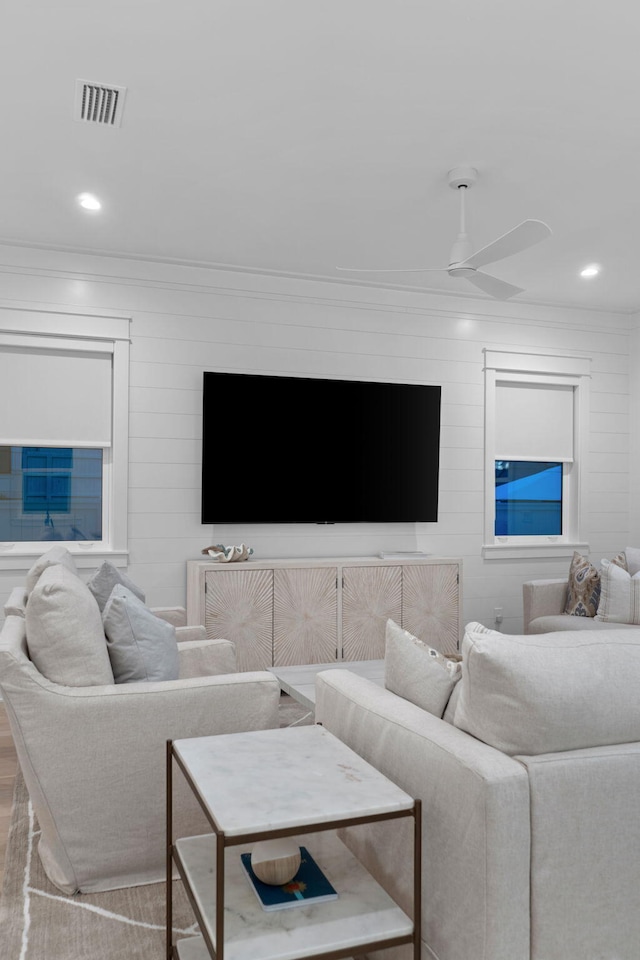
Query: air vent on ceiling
100	103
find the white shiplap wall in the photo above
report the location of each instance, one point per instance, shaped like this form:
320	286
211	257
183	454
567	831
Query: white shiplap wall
186	320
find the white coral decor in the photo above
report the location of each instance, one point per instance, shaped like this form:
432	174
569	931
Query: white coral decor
228	554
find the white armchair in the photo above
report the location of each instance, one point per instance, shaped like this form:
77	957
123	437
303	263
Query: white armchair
93	757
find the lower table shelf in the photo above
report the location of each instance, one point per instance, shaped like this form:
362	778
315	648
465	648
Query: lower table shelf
364	915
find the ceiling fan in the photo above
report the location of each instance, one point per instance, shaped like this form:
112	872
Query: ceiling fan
463	262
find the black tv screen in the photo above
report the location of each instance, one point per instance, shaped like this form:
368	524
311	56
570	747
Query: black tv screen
282	447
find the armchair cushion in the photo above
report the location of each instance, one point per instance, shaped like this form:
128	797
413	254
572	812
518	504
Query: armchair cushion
106	577
64	629
416	671
55	555
140	645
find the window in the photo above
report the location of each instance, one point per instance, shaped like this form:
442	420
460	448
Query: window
535	418
51	493
528	499
63	433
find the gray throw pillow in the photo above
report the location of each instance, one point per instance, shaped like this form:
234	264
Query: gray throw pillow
106	578
141	646
417	672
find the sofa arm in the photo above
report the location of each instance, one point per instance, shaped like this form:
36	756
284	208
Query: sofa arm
543	598
190	633
205	658
475	808
175	615
16	603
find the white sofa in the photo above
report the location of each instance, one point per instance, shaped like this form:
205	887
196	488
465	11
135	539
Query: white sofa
93	754
543	604
531	833
592	596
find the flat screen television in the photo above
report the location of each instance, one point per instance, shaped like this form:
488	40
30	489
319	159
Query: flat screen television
281	447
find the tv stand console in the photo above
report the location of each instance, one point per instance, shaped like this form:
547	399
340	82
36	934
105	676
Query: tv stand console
286	612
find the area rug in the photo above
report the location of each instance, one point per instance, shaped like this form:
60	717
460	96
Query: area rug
38	922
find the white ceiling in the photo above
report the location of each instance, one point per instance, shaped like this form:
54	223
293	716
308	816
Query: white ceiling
297	135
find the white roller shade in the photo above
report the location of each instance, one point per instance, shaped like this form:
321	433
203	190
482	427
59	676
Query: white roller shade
54	398
534	422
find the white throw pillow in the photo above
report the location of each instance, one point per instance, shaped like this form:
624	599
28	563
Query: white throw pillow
141	646
64	630
106	577
633	559
450	709
417	672
619	595
53	556
547	693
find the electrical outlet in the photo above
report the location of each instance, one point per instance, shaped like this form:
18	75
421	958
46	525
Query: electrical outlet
497	614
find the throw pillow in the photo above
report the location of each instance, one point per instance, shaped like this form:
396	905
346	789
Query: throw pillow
548	693
141	646
450	709
55	555
633	559
583	588
417	672
620	595
106	578
64	630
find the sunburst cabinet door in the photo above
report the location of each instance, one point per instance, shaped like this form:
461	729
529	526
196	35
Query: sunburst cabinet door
305	616
430	605
239	607
370	597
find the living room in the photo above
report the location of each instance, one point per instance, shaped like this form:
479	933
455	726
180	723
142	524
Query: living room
243	279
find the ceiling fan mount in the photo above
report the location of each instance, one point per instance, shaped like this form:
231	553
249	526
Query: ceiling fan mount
462	176
463	262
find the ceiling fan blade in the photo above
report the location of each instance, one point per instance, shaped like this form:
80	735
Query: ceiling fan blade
494	287
524	235
394	269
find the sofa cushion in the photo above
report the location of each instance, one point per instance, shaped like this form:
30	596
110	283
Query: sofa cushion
64	630
564	621
552	692
57	554
620	595
141	646
417	672
106	577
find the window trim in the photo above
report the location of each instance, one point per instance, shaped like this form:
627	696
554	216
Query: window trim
544	369
82	331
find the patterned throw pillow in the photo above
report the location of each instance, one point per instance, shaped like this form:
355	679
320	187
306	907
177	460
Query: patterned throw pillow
583	588
584	585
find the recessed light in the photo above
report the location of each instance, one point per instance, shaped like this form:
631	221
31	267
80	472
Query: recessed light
591	271
88	202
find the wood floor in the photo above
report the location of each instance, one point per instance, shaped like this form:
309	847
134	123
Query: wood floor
8	767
